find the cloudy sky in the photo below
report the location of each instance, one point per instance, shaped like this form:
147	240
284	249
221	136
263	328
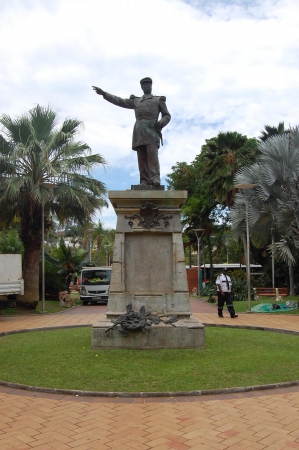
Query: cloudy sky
223	65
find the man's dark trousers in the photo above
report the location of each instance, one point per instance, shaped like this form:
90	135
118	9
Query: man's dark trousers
226	298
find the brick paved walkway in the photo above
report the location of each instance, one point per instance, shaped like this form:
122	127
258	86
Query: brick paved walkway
254	420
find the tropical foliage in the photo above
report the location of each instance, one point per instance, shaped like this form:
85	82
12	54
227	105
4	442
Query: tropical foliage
223	156
270	131
209	181
44	171
10	242
274	202
273	205
69	259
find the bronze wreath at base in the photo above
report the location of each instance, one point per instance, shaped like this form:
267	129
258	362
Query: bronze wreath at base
135	321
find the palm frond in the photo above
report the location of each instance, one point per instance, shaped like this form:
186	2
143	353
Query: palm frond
282	251
42	120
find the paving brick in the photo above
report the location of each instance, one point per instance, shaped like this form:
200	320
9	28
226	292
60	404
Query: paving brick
177	445
42	447
97	446
292	444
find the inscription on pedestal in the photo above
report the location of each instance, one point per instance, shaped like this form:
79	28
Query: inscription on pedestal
149	265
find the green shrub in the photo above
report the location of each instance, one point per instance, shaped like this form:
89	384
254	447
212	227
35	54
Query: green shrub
239	274
53	282
210	291
10	242
239	289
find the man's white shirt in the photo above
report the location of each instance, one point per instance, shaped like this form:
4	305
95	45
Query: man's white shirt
221	279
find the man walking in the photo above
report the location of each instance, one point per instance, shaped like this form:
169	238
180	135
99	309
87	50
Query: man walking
147	129
224	294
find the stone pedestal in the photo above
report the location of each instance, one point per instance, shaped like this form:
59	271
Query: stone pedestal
149	269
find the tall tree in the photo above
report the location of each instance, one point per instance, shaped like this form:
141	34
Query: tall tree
209	181
201	209
274	203
45	170
224	155
69	260
270	131
75	232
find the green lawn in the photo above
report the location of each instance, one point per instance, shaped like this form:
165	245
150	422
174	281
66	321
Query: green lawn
65	359
243	306
51	306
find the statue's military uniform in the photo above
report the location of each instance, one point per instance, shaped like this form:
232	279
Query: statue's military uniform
147	110
146	137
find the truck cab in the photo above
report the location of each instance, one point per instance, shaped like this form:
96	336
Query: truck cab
95	284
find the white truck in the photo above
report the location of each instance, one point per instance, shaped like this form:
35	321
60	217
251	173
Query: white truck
95	284
11	281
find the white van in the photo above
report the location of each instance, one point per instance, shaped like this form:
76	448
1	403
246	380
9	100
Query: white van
95	284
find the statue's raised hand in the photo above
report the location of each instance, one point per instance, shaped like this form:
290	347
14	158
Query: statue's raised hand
98	90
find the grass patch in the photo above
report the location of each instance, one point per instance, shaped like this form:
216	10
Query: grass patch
51	306
243	305
232	358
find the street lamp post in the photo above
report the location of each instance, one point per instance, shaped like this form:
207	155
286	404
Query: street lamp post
243	187
199	232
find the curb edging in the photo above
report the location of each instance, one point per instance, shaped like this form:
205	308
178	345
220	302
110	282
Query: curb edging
199	393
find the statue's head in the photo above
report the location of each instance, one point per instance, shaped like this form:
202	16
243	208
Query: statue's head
146	85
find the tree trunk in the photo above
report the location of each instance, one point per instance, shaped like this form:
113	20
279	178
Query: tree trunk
31	236
291	276
30	298
219	248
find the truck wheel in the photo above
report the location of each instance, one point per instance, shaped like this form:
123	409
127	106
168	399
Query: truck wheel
85	302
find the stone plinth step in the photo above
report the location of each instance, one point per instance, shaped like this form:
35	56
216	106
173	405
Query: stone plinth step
186	333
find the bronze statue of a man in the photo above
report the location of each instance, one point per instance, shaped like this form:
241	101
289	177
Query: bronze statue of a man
147	129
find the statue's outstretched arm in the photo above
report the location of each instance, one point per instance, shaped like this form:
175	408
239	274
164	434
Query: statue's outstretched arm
118	101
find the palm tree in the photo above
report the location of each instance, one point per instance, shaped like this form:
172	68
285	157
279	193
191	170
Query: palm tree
44	171
270	131
224	155
69	260
274	203
75	233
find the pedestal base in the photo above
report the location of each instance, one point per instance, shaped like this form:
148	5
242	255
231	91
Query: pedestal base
149	272
186	333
